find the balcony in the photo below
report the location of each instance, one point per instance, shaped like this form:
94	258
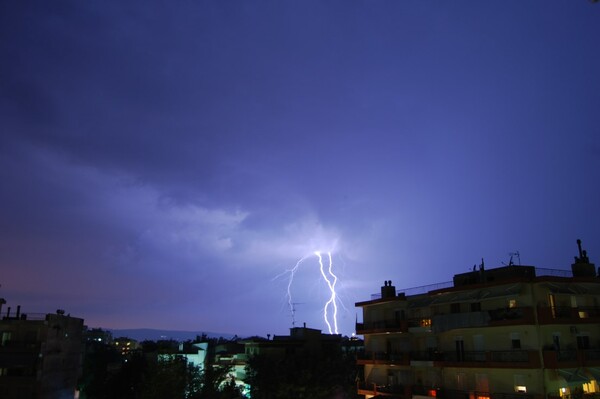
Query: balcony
391	391
491	359
19	354
568	315
385	326
484	318
571	358
511	316
389	358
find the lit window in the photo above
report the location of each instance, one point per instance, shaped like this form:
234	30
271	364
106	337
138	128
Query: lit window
590	387
512	303
520	383
6	335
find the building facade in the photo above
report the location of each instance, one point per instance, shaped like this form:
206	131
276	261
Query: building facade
504	333
40	355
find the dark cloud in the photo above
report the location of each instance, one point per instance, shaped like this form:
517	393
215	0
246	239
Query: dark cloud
160	160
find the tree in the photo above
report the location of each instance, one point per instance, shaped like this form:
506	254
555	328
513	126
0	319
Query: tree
171	377
302	376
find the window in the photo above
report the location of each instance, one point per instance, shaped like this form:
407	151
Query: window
512	303
399	315
583	342
455	308
520	385
476	307
6	335
552	301
556	340
590	387
515	340
482	383
564	392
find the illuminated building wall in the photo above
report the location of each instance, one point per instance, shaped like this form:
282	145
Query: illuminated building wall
510	332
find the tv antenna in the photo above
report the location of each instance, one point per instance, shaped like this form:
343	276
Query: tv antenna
512	255
294	312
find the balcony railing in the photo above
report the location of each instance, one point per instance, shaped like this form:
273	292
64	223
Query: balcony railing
512	356
383	325
468	356
566	314
20	346
391	390
507	358
571	358
449	284
491	317
521	314
425	355
383	357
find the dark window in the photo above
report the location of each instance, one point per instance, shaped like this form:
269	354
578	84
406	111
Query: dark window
455	308
476	307
516	344
583	342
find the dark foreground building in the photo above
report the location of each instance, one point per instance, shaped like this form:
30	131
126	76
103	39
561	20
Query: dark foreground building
40	356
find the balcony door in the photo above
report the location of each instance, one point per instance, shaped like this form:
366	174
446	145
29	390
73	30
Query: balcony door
460	348
479	346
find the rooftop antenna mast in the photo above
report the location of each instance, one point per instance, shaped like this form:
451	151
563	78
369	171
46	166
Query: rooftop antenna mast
517	254
294	312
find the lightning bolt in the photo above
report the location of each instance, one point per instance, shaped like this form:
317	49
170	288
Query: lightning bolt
292	273
333	298
331	280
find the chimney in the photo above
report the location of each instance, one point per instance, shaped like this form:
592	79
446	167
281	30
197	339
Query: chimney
582	266
388	290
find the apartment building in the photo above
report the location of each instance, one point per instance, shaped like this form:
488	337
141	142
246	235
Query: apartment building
504	333
40	355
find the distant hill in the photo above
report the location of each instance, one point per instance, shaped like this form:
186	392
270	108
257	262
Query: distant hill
142	334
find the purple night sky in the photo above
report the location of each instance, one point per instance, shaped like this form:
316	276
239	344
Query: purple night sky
161	165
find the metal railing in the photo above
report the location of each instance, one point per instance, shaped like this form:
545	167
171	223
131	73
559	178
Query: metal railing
381	324
378	355
539	271
506	356
423	289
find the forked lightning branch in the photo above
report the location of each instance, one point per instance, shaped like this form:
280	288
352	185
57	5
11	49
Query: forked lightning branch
330	309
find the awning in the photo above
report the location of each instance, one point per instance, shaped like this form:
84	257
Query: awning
574	377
